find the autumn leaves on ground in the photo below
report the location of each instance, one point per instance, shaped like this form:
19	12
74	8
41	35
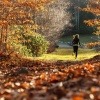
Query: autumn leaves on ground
23	79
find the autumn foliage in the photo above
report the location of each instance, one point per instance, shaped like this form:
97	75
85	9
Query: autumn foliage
17	12
93	45
35	80
94	8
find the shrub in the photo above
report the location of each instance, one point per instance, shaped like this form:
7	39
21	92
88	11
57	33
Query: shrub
21	49
37	44
29	44
93	45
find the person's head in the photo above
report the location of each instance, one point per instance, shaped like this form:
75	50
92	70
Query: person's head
77	36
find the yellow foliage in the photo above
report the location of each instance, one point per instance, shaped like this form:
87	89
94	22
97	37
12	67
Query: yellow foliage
93	7
19	12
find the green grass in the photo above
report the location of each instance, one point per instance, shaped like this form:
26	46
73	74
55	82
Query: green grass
66	54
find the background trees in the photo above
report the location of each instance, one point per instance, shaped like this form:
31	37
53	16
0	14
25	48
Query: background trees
32	16
17	12
94	8
78	17
53	20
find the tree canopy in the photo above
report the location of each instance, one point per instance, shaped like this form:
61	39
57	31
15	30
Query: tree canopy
18	12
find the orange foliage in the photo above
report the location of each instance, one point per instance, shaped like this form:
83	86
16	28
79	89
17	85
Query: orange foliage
92	45
92	22
93	7
18	12
28	79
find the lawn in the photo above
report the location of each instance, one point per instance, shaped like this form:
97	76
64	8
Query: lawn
66	54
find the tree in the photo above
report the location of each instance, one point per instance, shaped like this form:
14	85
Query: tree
78	17
53	20
17	12
94	8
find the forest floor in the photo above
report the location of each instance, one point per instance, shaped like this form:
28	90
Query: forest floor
26	79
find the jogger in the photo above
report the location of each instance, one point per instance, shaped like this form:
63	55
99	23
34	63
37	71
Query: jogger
76	43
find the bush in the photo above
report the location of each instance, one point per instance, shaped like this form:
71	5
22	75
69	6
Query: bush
93	45
21	49
37	44
29	44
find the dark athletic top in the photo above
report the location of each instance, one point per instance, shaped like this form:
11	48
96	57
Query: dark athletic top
76	42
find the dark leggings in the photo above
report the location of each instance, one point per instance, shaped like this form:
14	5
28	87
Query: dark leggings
75	50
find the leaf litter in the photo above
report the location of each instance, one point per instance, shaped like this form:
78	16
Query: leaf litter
24	79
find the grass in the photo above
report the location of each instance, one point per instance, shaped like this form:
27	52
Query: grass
66	54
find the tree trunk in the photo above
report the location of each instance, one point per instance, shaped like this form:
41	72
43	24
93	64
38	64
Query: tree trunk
3	41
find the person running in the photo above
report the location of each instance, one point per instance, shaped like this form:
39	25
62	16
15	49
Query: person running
75	43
